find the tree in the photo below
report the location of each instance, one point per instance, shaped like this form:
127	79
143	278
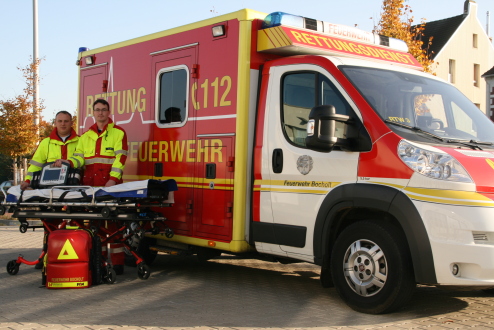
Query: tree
396	23
18	131
5	169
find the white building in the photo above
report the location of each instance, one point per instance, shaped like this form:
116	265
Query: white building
462	51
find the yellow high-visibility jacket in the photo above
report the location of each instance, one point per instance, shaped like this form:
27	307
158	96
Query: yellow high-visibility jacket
50	149
103	154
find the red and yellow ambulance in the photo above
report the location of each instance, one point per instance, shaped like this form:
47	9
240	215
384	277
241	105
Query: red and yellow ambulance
305	141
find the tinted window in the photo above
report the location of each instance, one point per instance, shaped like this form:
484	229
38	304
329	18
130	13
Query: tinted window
173	96
301	92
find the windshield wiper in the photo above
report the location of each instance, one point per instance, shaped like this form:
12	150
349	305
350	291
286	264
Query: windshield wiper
470	143
414	128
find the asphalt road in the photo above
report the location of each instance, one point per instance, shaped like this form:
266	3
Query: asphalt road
224	293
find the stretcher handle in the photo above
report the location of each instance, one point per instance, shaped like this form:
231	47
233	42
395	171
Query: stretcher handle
71	187
4	192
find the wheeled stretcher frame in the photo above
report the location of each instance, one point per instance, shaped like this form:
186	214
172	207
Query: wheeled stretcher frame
113	219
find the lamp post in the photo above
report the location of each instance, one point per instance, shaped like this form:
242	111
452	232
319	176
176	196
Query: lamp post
35	58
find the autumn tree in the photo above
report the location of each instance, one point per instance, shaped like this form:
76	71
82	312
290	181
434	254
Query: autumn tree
18	131
396	22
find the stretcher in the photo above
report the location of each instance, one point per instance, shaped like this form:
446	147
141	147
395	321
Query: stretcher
121	214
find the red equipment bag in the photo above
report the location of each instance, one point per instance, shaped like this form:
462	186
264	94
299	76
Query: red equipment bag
72	259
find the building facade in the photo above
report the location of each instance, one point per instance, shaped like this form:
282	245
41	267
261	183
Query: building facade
462	52
489	100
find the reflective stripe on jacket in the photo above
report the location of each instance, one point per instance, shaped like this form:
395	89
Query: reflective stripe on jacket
50	149
103	155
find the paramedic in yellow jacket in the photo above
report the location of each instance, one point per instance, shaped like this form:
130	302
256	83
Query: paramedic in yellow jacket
102	150
57	148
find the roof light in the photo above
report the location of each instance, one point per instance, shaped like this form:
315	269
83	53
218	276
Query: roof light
218	31
280	18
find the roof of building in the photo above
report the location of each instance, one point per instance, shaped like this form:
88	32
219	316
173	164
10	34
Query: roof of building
489	73
441	30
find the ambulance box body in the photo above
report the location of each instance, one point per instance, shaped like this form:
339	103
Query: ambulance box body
306	141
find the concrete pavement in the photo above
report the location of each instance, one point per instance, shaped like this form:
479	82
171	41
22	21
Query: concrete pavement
225	293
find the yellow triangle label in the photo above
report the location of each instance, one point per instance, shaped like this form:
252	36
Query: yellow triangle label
67	252
490	162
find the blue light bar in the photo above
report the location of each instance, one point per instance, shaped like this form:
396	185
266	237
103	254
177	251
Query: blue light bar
280	18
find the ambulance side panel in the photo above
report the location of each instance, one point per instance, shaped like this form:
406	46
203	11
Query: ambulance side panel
198	75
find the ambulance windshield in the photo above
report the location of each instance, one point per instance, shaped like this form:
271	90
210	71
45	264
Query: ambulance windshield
422	109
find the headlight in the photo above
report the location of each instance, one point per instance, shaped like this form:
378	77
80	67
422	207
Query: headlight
436	165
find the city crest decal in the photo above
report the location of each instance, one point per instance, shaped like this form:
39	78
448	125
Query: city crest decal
304	164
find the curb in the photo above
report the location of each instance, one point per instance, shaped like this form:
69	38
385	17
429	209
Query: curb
13	222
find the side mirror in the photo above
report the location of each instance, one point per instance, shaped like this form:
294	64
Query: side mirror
326	128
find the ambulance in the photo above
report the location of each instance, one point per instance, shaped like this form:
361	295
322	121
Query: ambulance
304	141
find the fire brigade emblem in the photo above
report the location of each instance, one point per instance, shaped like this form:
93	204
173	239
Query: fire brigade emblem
304	164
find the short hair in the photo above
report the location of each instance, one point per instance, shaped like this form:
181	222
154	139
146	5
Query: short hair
102	101
63	112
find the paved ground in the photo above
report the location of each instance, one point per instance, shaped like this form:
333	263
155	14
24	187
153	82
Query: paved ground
226	293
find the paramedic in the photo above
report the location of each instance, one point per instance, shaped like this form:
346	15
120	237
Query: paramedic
102	150
57	148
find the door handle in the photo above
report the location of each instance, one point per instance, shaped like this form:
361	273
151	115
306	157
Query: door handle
277	160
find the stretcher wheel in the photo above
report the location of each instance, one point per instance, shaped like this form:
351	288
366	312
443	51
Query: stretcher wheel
23	227
169	233
12	267
2	210
105	212
143	271
110	275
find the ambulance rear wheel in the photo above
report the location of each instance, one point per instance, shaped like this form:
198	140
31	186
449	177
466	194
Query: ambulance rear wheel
372	267
12	267
143	271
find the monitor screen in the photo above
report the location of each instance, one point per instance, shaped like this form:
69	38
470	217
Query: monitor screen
52	174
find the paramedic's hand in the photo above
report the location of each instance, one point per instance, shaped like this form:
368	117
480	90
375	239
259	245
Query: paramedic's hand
24	185
110	183
58	163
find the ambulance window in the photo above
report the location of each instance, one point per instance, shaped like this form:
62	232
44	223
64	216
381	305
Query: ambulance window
172	96
301	92
331	96
299	97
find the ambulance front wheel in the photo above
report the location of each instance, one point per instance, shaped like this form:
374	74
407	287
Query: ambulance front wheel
143	271
372	267
12	267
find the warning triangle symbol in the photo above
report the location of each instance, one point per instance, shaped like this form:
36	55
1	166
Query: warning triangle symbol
67	252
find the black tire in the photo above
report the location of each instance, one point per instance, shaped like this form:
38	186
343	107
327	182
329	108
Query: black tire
378	276
143	271
110	275
23	227
143	251
12	267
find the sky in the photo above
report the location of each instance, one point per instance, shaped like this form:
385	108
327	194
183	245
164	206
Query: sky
66	25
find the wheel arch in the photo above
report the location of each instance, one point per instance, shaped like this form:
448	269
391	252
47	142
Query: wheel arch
349	203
